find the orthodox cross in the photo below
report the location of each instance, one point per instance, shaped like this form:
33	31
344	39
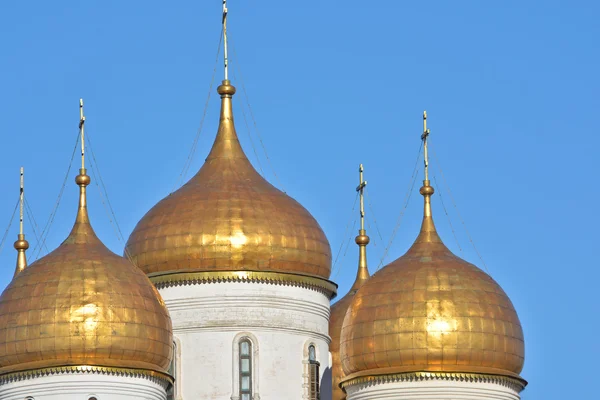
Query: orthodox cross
225	39
21	202
81	133
424	137
360	189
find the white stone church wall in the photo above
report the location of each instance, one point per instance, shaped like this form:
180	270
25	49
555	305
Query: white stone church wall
281	321
84	386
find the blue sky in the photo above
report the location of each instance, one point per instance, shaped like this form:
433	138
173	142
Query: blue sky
511	89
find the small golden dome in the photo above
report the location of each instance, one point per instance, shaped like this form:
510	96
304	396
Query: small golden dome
229	218
338	311
431	311
83	305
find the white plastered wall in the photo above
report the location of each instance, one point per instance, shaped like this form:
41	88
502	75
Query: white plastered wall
210	318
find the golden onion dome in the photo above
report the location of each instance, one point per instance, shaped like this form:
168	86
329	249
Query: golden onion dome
338	311
229	218
83	305
430	311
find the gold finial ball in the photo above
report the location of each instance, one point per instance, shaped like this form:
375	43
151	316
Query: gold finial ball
426	190
82	180
226	89
21	244
362	240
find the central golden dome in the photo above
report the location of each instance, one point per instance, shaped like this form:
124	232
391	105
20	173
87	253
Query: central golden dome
83	305
229	218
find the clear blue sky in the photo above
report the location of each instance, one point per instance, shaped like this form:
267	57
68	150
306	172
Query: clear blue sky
511	89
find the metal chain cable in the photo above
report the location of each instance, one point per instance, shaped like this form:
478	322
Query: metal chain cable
349	239
252	116
439	167
96	180
34	225
116	230
345	233
373	214
447	215
96	172
345	251
374	242
248	130
48	225
190	158
110	212
12	218
402	211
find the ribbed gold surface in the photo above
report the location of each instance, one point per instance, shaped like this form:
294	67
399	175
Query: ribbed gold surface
431	311
338	311
228	217
83	305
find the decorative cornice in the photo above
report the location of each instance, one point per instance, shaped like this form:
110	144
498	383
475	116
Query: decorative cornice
262	300
168	279
513	383
236	328
157	377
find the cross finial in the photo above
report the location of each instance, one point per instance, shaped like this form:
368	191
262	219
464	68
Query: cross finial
424	137
225	39
362	240
21	201
81	133
360	189
426	190
82	179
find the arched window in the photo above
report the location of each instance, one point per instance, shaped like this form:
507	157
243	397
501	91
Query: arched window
313	374
245	362
245	369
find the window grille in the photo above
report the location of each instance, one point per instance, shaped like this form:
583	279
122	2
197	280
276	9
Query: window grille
313	374
245	370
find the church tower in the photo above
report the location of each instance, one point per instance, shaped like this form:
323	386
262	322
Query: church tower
430	325
244	270
82	323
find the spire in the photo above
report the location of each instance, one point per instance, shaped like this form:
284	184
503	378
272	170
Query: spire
362	240
21	200
82	230
21	244
227	144
428	232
